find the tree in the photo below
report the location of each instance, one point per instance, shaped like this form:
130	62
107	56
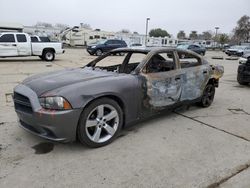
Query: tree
125	31
44	24
61	26
85	26
181	35
207	35
223	38
193	35
242	30
158	32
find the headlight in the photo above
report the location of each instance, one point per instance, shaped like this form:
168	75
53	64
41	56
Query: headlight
242	60
93	46
54	103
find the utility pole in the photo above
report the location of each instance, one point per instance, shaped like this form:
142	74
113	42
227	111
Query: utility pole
146	36
216	32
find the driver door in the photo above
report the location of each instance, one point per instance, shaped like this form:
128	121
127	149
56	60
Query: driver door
163	80
8	45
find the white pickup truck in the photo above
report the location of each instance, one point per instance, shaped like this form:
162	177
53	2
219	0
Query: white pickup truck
21	44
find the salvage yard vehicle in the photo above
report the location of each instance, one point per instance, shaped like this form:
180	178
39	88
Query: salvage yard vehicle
102	46
22	45
95	102
243	76
238	50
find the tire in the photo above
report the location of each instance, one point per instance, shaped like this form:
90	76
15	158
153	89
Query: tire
98	52
100	123
241	82
48	55
207	96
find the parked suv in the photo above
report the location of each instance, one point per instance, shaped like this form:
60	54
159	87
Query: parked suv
193	47
243	76
102	46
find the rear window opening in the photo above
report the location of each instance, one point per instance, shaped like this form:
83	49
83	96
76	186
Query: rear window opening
121	62
188	60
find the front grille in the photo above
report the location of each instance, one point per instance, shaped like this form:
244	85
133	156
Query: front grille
38	130
22	103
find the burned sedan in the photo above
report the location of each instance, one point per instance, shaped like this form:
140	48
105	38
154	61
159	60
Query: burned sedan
95	102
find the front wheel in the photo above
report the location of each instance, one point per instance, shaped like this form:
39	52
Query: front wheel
98	52
208	96
100	123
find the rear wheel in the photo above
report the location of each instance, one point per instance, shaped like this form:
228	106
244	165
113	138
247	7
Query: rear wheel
208	96
100	123
48	55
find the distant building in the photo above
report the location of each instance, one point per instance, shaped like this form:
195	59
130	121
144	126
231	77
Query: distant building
78	36
51	32
14	27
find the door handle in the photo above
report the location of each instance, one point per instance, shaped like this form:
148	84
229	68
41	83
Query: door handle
177	78
204	72
13	44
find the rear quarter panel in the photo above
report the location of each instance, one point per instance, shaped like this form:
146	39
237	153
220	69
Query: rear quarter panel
38	47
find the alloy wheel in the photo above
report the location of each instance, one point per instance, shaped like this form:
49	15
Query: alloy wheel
102	123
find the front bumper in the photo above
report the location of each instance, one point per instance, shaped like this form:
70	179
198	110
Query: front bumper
61	51
236	53
244	73
91	50
49	124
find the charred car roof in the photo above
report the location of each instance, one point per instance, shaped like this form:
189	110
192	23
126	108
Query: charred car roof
152	49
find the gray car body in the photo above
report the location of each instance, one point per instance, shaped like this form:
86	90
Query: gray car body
138	93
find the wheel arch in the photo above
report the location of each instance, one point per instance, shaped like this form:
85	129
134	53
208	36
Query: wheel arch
213	81
114	97
49	49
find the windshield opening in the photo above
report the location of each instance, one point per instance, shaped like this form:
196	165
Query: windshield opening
120	62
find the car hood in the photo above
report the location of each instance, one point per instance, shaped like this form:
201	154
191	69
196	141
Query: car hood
46	82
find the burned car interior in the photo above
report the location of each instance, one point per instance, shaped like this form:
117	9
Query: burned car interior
127	62
188	60
161	62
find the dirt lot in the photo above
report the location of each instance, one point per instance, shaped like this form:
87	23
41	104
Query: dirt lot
193	147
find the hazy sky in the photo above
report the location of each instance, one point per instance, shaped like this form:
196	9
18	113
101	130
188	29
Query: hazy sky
114	15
